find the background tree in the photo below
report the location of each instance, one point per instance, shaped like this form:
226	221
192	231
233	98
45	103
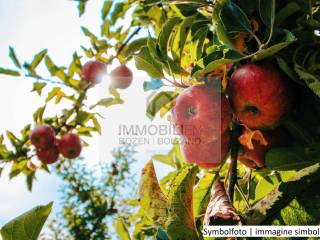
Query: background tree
94	198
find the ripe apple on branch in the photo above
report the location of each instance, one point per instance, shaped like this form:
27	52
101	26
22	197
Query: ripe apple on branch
260	99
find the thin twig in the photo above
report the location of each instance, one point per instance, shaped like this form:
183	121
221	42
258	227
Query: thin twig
124	44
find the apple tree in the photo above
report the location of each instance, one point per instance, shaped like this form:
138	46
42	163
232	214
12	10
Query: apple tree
257	161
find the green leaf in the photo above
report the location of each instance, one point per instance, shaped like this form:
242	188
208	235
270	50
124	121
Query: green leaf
184	30
180	223
267	11
38	58
264	186
280	197
119	11
287	11
268	52
83	117
166	32
287	70
298	132
55	70
12	138
152	200
213	66
38	114
14	58
122	229
75	65
234	19
52	93
311	80
17	168
286	159
133	47
96	124
144	61
219	28
201	193
82	7
166	182
9	72
159	101
106	9
38	86
28	225
29	180
216	57
198	42
107	102
89	34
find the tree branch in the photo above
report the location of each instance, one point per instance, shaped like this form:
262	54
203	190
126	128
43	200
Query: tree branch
125	43
235	133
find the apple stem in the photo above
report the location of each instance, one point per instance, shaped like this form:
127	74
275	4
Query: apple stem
235	133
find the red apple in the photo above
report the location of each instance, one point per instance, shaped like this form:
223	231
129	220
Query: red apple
260	96
94	71
201	112
70	145
43	136
121	77
48	156
255	158
206	155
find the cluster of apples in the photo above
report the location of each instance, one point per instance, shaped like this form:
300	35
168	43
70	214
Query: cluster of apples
258	96
49	147
43	137
94	71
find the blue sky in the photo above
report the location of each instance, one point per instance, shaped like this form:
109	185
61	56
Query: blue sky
30	26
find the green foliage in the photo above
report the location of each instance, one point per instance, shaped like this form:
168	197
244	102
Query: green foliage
173	158
267	11
202	192
234	19
283	195
144	61
27	225
293	158
160	101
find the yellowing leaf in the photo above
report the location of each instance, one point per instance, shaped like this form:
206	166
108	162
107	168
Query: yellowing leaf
107	102
240	42
247	137
59	96
153	201
122	229
180	223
